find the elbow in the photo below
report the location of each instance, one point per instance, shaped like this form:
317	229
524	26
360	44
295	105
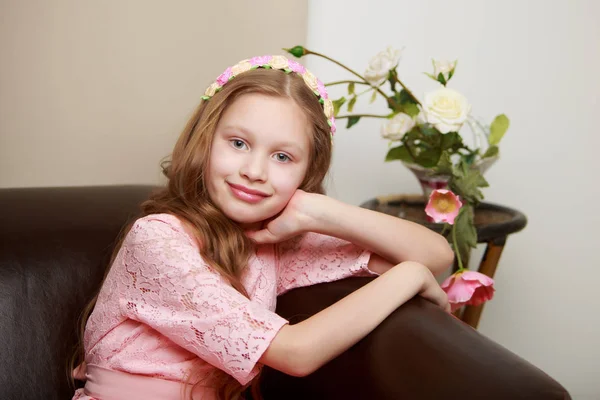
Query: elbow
444	258
300	363
290	353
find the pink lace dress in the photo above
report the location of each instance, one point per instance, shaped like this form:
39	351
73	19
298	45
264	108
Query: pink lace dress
163	310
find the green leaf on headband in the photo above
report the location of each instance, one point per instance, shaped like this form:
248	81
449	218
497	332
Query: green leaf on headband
351	104
296	51
337	104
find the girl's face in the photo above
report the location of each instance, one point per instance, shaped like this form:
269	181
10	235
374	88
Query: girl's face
259	157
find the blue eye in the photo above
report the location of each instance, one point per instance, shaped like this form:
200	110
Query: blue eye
282	157
237	143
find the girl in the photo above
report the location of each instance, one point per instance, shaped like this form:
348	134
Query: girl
187	306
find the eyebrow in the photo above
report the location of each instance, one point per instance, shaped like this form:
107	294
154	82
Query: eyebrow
247	132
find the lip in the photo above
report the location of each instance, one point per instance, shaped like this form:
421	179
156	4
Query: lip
246	194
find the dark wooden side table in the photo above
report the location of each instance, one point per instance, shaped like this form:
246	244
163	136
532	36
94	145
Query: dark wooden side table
493	224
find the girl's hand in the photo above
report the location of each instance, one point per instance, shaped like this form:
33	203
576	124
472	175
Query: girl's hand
432	291
296	218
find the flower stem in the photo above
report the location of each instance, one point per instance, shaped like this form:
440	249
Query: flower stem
389	100
361	115
412	96
346	81
460	264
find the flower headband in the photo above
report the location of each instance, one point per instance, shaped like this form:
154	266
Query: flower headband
280	63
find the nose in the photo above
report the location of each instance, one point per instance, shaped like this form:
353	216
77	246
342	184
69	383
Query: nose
254	169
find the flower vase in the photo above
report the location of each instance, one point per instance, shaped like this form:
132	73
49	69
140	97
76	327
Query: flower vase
428	180
431	181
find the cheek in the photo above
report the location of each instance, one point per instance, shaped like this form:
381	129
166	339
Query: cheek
287	180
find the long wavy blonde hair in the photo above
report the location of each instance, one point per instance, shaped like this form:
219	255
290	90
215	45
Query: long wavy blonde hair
225	247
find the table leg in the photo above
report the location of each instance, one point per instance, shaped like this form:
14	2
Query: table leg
489	262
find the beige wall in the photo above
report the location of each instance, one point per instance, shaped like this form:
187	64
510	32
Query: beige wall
97	92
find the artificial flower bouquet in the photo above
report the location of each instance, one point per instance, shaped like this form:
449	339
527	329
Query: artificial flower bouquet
426	134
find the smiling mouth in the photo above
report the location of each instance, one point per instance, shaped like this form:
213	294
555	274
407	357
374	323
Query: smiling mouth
246	194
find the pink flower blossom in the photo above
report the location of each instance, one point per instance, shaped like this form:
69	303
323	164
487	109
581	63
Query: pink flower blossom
260	60
443	206
333	127
224	77
468	287
296	67
321	89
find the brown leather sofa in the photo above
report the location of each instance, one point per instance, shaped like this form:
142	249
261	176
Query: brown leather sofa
54	244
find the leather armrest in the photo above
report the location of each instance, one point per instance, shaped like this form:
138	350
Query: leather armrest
418	352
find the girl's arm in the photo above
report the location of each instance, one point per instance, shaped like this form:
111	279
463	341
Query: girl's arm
301	349
394	239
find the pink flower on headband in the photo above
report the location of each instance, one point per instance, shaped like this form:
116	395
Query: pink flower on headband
260	60
333	128
296	67
321	89
224	77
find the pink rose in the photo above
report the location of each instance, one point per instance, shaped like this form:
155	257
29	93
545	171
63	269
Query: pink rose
224	77
296	67
443	206
468	287
260	60
321	89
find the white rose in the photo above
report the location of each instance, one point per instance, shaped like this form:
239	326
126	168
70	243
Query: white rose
380	65
397	127
443	67
446	109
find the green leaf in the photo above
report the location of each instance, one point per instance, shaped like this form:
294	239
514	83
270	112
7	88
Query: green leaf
429	130
337	104
373	97
404	98
469	158
411	109
491	152
450	140
444	166
296	51
398	153
466	234
352	121
351	88
441	79
466	182
351	104
498	129
430	157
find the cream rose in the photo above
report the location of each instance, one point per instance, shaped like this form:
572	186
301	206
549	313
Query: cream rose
443	67
446	109
279	62
241	67
380	65
397	127
310	80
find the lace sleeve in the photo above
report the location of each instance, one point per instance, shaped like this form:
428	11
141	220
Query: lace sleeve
314	258
172	289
